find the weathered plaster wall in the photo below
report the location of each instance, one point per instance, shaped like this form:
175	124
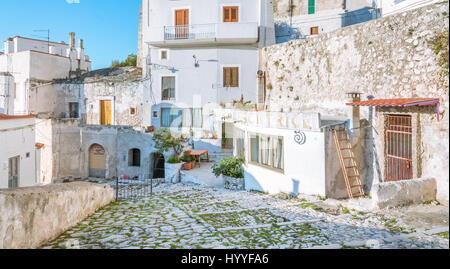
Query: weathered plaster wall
391	57
30	217
72	142
281	7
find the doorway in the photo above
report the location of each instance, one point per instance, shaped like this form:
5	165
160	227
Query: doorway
158	165
13	172
398	148
105	112
227	136
182	24
97	161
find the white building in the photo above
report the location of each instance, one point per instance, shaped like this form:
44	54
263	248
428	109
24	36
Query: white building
20	153
391	7
27	63
197	54
296	19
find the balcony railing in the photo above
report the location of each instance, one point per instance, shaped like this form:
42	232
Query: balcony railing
191	31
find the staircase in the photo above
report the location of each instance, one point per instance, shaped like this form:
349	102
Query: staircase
348	163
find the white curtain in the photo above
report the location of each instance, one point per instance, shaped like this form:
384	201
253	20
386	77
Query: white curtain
265	150
254	141
187	117
278	158
197	118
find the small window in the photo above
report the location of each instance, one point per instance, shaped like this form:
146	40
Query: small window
28	155
132	111
163	54
314	30
230	14
267	151
73	110
155	114
134	157
168	88
231	76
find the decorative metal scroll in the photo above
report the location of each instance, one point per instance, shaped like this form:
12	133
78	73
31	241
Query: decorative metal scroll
300	137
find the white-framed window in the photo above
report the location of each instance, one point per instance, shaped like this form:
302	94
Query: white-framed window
267	151
168	88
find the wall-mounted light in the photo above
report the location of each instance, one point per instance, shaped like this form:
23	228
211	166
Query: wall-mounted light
196	64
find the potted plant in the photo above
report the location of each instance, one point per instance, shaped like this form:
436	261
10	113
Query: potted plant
232	172
189	161
150	129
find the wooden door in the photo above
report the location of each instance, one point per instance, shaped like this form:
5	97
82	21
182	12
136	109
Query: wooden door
97	161
105	112
13	172
181	23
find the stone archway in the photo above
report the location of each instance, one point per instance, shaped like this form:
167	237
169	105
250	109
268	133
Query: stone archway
97	161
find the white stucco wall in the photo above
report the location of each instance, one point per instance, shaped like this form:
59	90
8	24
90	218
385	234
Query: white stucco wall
392	7
18	138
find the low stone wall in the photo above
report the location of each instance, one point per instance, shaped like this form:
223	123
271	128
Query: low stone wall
404	192
30	217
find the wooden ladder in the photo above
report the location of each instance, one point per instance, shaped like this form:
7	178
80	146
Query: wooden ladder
348	163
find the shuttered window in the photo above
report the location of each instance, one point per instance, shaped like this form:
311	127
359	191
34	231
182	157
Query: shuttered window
311	6
230	14
314	30
231	76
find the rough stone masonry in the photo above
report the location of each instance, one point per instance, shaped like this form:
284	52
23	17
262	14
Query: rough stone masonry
392	57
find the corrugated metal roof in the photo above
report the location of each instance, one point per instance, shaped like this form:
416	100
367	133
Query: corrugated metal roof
14	117
396	102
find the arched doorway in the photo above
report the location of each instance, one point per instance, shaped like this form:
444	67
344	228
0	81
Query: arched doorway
158	165
97	161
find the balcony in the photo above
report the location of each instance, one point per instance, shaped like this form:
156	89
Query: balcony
203	34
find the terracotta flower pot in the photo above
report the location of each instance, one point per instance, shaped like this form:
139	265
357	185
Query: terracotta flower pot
150	129
188	166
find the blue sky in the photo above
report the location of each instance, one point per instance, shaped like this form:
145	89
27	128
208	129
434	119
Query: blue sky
109	28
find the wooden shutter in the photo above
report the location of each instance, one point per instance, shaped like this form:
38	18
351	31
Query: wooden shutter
230	14
314	30
231	76
105	112
234	77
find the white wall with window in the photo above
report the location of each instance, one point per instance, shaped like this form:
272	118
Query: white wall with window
275	163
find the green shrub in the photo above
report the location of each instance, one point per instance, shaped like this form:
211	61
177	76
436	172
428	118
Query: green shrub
174	160
231	166
130	61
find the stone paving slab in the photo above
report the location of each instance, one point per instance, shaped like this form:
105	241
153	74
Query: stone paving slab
197	217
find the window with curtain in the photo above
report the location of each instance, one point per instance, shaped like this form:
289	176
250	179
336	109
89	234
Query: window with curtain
187	117
254	148
240	146
171	117
197	118
267	151
278	158
168	88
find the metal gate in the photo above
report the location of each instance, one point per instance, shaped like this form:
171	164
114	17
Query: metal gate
130	189
399	163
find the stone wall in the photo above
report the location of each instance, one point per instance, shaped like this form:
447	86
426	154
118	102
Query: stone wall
30	217
393	57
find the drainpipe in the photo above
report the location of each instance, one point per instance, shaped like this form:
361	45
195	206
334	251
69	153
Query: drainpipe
356	115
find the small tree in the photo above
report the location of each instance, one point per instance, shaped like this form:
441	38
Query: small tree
130	61
165	141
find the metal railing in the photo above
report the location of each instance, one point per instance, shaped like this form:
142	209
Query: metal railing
191	31
129	189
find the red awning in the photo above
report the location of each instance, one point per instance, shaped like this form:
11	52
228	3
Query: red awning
400	102
13	117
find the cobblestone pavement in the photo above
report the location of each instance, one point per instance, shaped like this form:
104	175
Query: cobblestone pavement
195	217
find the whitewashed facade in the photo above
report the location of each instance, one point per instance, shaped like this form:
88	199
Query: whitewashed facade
28	63
391	7
187	47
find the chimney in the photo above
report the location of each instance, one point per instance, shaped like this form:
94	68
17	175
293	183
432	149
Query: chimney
80	43
72	40
356	117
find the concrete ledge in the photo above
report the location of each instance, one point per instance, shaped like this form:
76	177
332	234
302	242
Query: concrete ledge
30	217
404	192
